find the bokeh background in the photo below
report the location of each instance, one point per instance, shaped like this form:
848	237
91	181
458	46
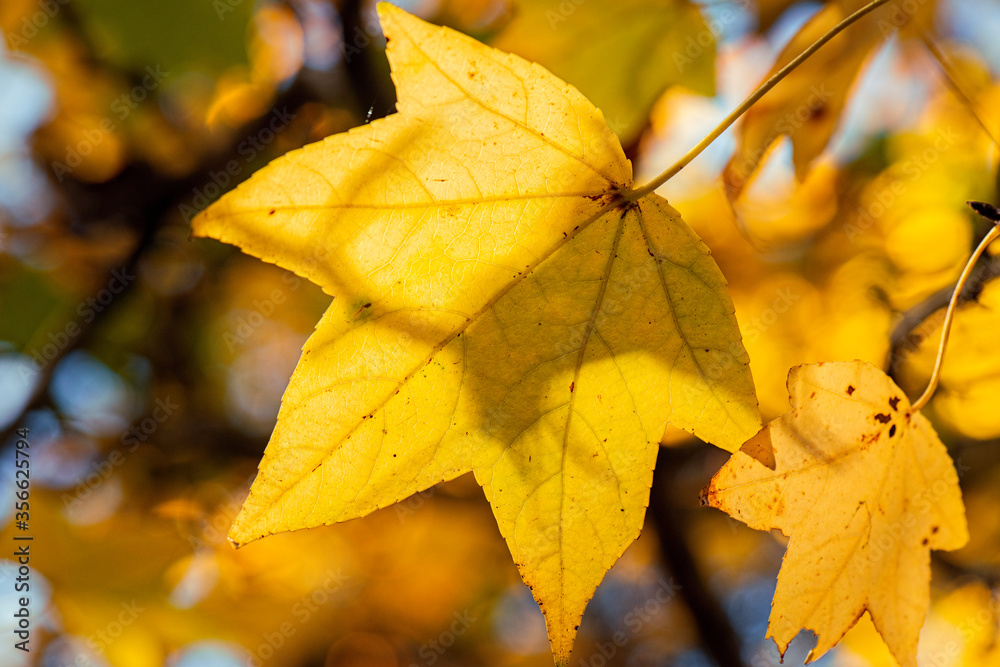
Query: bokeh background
149	368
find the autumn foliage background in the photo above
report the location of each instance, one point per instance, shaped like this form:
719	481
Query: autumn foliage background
149	367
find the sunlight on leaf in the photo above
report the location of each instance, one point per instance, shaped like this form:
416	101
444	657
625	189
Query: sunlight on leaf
503	306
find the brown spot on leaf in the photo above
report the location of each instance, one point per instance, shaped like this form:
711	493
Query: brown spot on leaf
892	430
571	386
870	438
883	418
934	529
819	113
850	389
894	402
925	541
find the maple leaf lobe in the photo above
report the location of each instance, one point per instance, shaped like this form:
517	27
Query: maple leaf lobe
860	526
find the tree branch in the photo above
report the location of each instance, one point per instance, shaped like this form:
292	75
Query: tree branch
142	199
920	321
717	634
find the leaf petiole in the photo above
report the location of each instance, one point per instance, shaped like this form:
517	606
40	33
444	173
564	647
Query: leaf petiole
761	90
991	214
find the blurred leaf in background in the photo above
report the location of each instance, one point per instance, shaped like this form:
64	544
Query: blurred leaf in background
149	367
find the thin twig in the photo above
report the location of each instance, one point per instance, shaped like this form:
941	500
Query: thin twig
993	235
914	324
717	635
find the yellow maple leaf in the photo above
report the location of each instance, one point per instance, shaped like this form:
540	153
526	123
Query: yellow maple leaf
864	489
505	303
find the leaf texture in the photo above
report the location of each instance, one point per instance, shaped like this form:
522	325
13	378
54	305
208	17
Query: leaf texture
864	489
503	305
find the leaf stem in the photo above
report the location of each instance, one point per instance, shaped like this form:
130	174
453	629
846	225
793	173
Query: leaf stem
993	235
761	90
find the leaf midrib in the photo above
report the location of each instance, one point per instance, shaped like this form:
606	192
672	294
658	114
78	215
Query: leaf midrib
604	210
